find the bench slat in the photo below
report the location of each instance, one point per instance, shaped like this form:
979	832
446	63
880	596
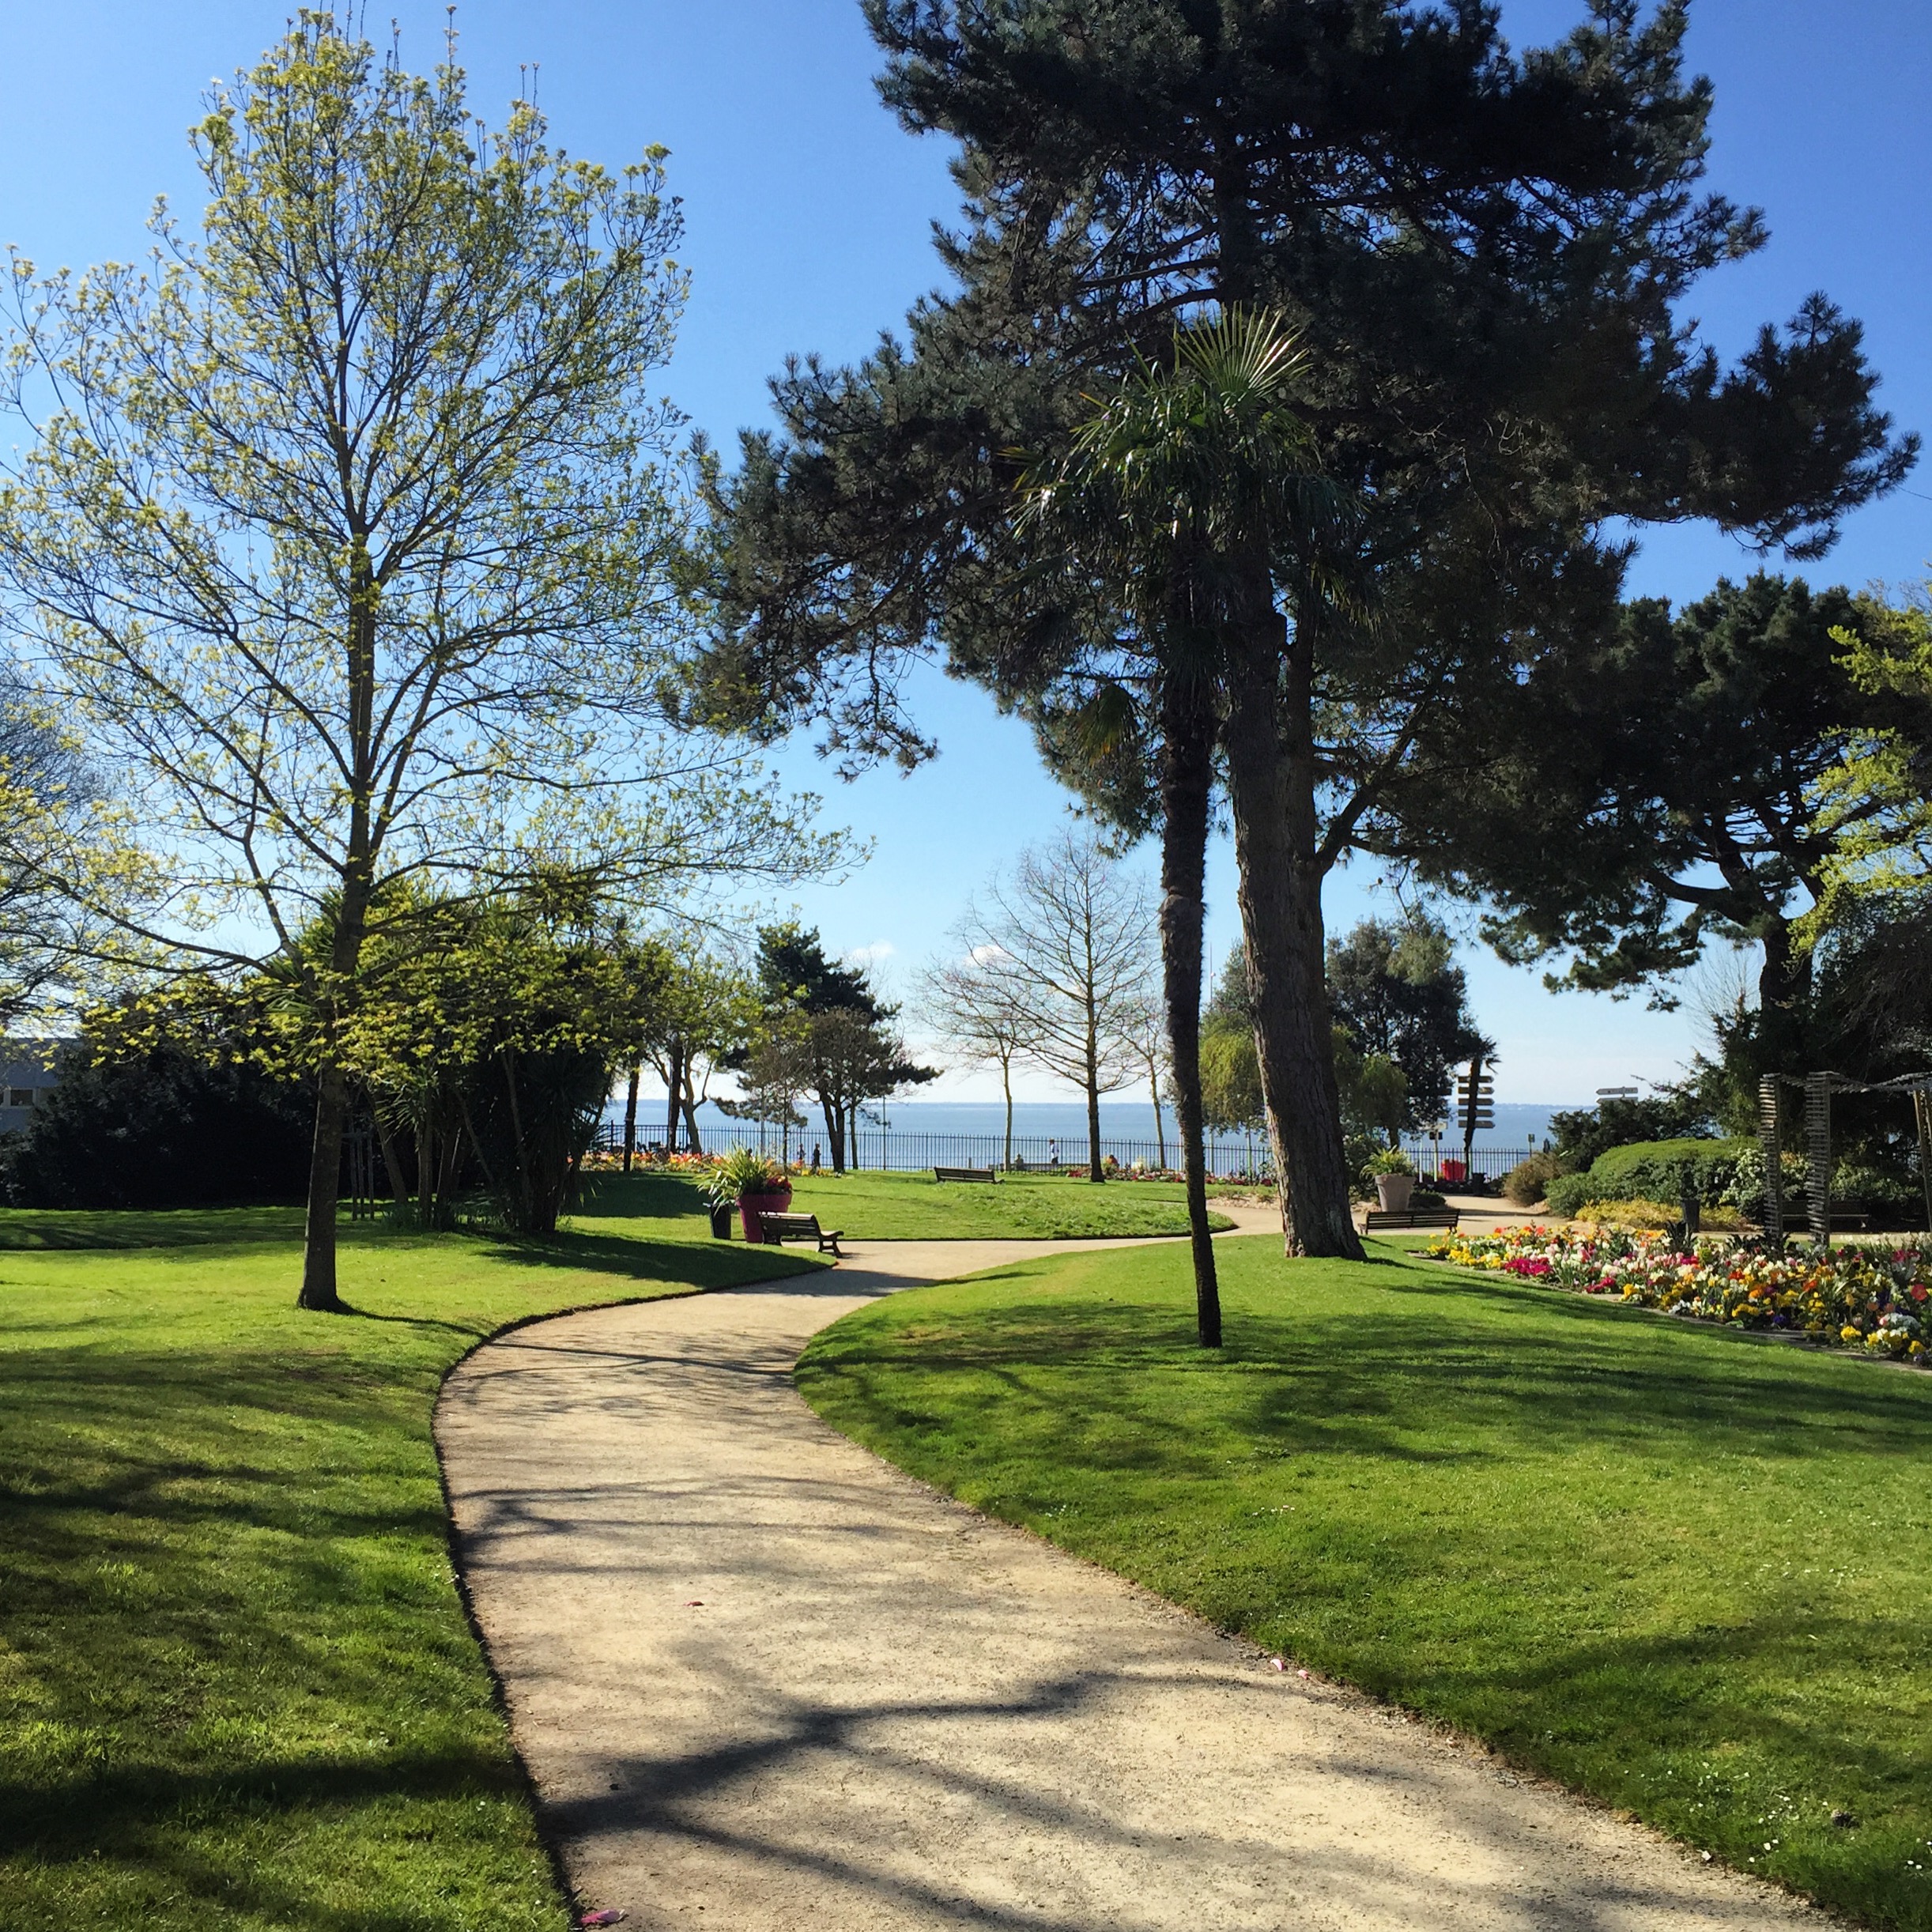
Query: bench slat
1378	1218
963	1174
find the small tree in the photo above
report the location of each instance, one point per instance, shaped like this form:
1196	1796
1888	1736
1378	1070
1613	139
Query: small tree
346	538
1068	936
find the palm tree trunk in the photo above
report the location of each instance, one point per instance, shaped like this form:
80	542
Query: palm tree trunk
630	1117
1187	780
1269	737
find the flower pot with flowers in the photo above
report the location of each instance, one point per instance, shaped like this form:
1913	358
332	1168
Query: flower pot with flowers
1394	1175
758	1184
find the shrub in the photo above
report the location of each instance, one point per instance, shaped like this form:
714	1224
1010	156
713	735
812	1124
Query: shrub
1584	1136
160	1126
1566	1193
1746	1189
1856	1184
744	1171
1525	1182
1641	1216
1390	1160
1661	1170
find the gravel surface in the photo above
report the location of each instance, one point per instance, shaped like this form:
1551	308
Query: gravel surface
763	1679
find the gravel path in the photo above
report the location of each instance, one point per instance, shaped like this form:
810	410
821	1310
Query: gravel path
764	1680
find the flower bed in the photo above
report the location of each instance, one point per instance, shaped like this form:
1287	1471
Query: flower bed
1874	1299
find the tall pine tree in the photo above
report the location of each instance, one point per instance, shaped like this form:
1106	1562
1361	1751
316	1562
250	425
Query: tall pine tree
1481	255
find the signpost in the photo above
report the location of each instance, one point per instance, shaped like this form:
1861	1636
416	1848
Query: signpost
1475	1105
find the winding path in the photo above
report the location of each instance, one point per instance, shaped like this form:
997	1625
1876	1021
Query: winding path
764	1680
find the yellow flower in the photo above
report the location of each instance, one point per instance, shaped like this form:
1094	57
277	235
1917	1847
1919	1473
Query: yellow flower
1847	1334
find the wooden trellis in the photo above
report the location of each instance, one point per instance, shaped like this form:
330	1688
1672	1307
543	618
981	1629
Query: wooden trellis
1818	1090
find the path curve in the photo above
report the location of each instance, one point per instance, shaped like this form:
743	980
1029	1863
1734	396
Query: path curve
765	1682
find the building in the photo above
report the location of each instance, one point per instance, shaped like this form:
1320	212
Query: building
26	1075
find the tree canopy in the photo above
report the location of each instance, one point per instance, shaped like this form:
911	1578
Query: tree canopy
1483	255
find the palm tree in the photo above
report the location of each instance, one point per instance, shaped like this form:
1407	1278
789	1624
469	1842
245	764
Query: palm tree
1167	491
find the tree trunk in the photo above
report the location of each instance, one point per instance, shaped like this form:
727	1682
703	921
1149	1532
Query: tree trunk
325	1177
1006	1087
1784	998
398	1187
1269	737
834	1113
1187	780
630	1116
1095	1172
694	1142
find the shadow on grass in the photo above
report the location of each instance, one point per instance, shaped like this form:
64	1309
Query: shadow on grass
33	1228
1350	1382
723	1264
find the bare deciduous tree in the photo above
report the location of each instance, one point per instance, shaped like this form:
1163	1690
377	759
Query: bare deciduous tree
1069	939
969	1006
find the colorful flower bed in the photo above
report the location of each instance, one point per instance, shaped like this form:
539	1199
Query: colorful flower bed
1872	1298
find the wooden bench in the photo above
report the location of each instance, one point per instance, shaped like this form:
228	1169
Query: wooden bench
1376	1220
963	1174
775	1230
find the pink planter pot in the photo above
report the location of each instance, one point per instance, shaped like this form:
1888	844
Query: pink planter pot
751	1206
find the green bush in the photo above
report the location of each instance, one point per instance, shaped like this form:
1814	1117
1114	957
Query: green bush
1660	1170
1526	1182
1566	1193
1857	1184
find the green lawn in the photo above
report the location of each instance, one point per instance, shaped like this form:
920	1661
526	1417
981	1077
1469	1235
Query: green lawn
236	1684
914	1207
1678	1567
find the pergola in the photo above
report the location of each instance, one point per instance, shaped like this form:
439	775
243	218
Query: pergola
1817	1089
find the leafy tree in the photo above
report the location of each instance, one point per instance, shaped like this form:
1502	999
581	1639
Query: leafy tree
852	1055
495	1034
1400	999
1876	801
704	1017
1483	256
346	538
1653	785
162	1107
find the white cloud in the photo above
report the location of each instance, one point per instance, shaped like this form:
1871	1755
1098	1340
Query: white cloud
876	954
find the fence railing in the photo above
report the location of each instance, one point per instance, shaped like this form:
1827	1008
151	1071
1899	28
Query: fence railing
894	1150
1229	1156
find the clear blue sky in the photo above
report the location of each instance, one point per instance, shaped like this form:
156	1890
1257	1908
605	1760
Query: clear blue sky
809	216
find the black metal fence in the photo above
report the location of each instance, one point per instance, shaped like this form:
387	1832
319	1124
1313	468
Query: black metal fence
1229	1156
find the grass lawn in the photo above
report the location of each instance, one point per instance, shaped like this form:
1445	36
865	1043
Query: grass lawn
1679	1568
914	1207
236	1684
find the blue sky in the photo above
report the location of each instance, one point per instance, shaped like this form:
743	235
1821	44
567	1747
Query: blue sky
809	216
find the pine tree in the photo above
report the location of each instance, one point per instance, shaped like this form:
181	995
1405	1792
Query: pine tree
1481	255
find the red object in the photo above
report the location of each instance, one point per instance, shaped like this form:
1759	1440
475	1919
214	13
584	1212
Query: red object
611	1915
751	1206
1452	1171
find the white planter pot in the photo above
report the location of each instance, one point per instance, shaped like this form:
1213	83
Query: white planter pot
1395	1191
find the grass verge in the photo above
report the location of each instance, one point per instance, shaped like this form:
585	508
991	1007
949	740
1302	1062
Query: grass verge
914	1207
1674	1567
237	1687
